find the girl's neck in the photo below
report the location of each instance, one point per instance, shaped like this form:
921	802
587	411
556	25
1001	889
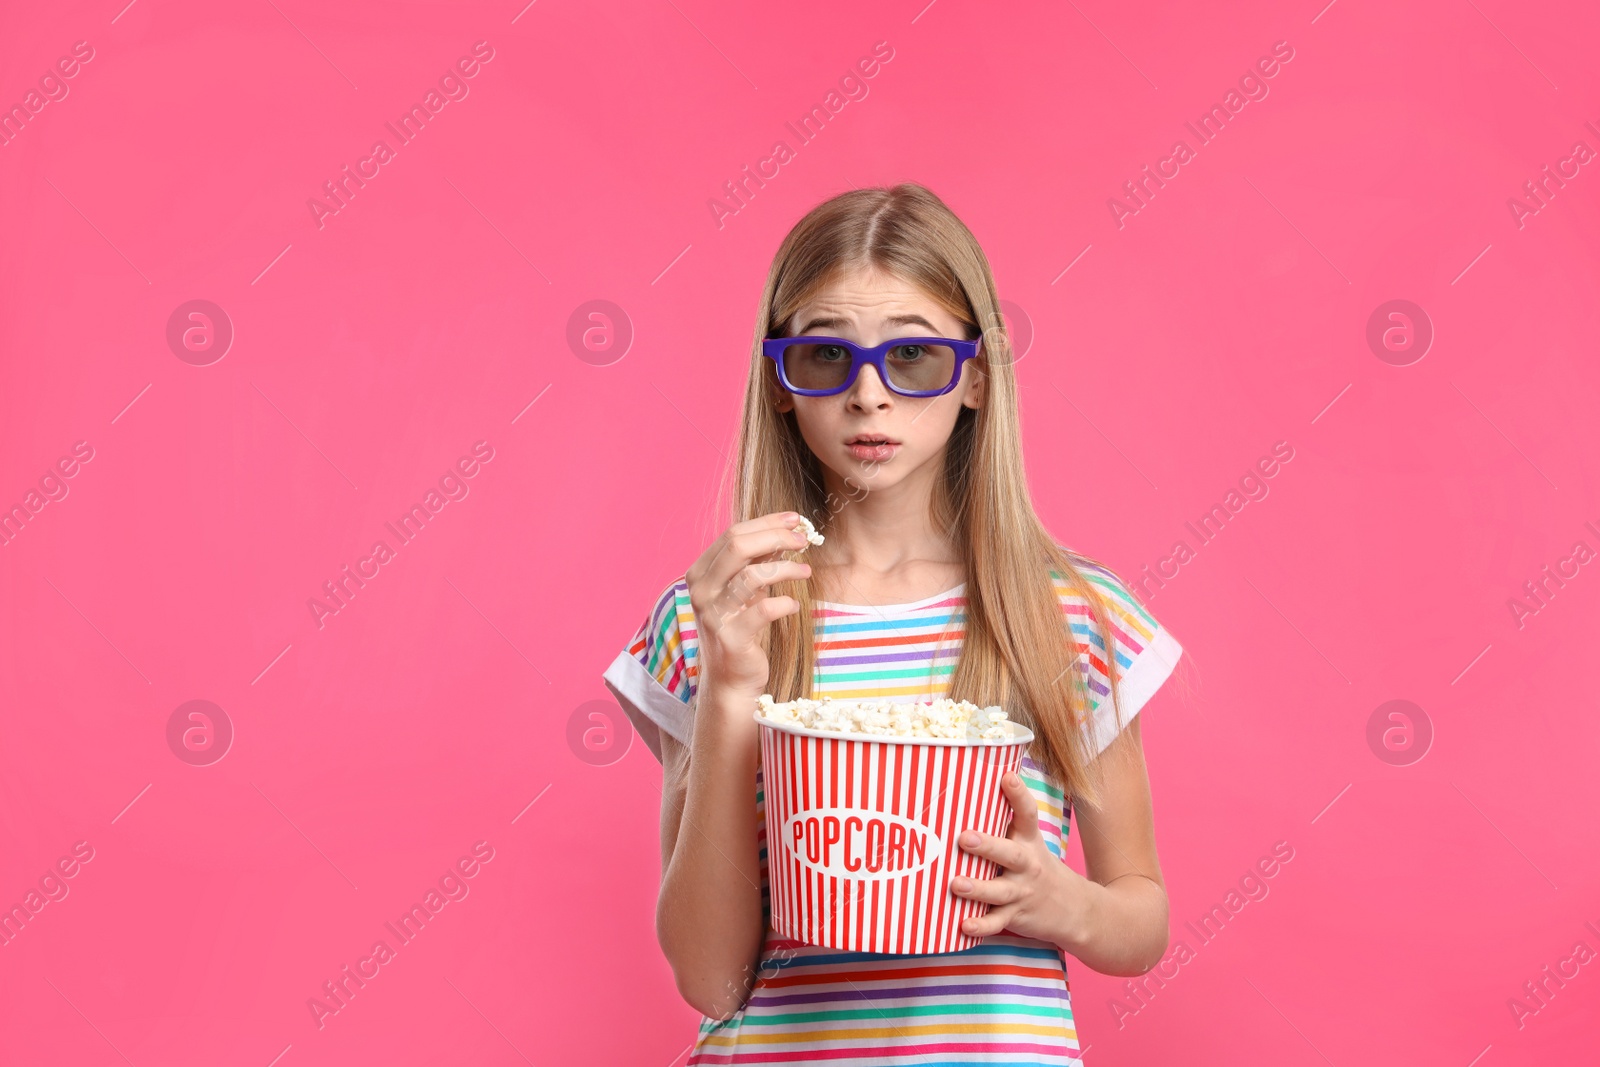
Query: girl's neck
882	546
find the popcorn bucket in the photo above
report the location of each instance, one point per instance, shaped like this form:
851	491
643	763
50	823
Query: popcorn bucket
862	834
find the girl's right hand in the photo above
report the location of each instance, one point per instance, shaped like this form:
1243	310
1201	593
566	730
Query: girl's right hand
728	592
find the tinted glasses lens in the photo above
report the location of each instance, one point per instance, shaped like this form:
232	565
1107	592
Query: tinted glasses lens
815	365
920	368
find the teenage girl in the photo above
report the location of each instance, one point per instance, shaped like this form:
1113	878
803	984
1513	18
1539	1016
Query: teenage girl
893	426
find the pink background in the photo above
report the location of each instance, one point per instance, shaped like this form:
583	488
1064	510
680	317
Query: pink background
371	753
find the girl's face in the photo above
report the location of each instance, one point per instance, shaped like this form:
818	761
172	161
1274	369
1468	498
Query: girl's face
869	307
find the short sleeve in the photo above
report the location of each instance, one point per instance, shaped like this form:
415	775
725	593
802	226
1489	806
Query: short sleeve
1144	652
654	677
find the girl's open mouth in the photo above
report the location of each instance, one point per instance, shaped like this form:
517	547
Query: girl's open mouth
872	447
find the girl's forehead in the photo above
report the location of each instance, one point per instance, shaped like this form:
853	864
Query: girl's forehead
870	298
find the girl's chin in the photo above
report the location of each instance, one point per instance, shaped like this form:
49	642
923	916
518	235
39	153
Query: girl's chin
860	476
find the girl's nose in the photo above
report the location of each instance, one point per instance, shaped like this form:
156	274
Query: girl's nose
869	392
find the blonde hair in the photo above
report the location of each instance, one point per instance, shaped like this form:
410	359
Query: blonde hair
1013	653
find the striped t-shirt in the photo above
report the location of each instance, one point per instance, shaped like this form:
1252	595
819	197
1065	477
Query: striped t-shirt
1005	1000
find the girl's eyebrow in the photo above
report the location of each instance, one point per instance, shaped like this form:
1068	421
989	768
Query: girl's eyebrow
825	321
834	321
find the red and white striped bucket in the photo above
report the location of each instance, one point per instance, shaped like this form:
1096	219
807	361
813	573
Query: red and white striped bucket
862	834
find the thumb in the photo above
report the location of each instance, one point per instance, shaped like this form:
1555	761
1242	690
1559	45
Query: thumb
1025	807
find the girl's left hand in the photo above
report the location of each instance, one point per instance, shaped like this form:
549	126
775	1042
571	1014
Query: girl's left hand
1037	895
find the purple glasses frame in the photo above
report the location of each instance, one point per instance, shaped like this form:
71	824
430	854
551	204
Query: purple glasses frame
773	347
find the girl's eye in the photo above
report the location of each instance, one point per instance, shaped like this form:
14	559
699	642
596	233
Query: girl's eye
831	353
908	353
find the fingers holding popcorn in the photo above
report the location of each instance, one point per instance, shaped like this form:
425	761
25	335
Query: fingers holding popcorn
743	543
729	592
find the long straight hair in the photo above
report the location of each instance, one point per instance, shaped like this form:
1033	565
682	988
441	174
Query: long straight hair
1018	651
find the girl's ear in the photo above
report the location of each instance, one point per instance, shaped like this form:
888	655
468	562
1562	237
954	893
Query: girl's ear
977	388
780	397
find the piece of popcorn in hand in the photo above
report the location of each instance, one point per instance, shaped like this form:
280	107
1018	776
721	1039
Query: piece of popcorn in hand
804	526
